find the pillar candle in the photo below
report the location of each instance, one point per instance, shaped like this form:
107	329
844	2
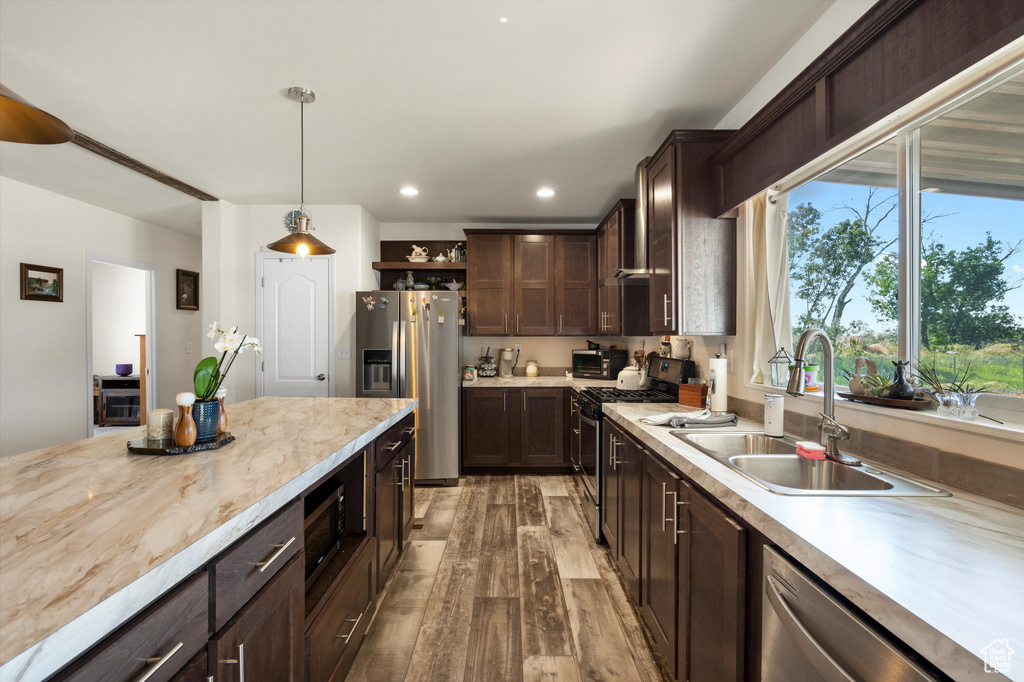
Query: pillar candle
159	423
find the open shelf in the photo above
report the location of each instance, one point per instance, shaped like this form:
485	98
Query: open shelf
405	265
350	546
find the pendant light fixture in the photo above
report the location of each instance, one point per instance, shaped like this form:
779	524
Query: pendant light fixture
298	222
22	122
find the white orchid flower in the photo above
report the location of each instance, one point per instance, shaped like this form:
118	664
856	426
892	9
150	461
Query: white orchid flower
229	342
212	331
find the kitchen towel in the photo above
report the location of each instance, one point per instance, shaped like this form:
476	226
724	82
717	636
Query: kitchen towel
691	420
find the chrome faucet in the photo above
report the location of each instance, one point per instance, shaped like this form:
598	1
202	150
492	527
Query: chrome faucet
831	431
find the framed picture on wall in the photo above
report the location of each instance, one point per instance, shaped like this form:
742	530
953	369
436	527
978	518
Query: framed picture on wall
188	290
42	283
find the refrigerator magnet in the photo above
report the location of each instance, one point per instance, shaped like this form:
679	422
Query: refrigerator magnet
440	316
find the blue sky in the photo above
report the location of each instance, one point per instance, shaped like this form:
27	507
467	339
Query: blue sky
970	218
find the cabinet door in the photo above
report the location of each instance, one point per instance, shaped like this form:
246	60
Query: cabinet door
661	242
533	285
576	283
716	593
612	322
389	528
407	458
264	641
194	671
574	431
542	427
485	427
610	514
489	283
659	565
630	463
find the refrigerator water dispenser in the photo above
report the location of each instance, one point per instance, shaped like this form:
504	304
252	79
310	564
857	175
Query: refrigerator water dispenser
377	370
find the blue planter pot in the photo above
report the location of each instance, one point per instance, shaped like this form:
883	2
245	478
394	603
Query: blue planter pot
205	414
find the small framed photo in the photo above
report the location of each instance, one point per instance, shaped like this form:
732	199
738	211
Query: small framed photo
42	283
188	290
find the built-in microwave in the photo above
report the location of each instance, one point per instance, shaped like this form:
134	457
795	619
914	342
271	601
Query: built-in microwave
324	528
598	364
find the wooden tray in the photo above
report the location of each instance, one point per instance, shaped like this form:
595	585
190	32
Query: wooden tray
166	446
915	404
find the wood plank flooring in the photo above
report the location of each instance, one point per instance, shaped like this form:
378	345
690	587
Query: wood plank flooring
503	582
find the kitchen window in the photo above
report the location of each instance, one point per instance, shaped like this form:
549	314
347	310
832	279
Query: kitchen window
915	247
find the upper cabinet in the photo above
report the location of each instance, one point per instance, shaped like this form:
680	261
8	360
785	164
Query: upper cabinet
622	308
532	284
691	255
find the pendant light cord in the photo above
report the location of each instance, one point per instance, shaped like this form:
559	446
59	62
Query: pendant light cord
302	154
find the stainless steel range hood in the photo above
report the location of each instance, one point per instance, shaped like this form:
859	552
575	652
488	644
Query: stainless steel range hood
638	272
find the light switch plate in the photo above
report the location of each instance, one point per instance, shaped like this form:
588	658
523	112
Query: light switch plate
344	352
188	346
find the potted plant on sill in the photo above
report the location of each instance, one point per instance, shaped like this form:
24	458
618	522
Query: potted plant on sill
210	374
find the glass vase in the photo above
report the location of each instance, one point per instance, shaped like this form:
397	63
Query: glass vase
967	411
949	404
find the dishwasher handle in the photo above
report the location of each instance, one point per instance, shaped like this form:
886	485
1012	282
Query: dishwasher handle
826	665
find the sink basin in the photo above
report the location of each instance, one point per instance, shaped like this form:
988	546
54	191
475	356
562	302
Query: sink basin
773	464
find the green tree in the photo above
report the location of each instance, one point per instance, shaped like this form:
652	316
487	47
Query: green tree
825	264
961	293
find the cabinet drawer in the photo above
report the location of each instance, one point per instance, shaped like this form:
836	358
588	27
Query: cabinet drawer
195	671
243	569
160	641
334	637
394	439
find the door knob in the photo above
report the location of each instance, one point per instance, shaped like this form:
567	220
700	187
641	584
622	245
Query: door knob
321	377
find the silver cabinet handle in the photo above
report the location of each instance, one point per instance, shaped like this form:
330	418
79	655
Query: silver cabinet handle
675	517
355	624
517	323
264	565
240	662
576	431
504	401
506	323
819	657
409	430
401	476
524	400
664	509
157	662
393	446
408	466
613	456
665	309
559	323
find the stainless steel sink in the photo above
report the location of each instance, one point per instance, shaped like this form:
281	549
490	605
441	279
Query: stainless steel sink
773	464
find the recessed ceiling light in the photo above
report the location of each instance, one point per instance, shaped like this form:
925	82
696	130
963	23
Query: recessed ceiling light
545	192
503	20
409	191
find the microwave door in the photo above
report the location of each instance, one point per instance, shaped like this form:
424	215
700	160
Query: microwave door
587	364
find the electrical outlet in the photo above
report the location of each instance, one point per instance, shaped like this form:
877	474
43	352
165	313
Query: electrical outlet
517	347
188	346
344	352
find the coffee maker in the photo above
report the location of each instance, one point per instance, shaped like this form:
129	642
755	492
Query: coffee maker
508	359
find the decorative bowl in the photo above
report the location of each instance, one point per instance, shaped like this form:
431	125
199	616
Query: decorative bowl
421	287
454	286
123	370
417	259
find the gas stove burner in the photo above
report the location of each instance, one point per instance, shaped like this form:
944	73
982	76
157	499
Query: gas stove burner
618	395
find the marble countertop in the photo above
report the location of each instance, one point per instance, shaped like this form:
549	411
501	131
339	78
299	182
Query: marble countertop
944	574
90	534
537	382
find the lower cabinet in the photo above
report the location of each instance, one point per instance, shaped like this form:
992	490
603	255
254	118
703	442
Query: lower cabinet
333	638
194	671
610	485
388	514
513	427
629	459
662	555
264	641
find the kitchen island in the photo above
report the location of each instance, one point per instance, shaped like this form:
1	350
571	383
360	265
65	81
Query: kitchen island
91	534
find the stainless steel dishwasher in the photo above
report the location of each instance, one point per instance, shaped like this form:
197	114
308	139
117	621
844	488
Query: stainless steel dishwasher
808	635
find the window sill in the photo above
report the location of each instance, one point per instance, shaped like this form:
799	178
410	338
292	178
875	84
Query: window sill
1010	430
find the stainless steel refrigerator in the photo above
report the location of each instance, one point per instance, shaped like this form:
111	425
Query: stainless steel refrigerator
408	345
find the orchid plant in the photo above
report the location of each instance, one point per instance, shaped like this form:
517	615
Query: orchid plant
210	372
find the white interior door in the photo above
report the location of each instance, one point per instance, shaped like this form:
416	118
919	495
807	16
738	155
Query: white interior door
296	329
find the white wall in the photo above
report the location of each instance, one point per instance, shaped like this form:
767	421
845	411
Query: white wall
43	385
232	236
118	314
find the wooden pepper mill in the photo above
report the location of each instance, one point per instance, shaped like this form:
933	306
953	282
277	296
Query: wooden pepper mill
185	431
222	419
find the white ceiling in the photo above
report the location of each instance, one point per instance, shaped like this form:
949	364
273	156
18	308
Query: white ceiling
476	113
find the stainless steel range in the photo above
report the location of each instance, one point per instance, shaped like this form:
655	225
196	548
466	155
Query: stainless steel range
665	374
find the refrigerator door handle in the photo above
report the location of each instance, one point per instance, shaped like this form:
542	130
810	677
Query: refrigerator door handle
398	355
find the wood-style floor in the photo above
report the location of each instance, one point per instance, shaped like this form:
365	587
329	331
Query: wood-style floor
504	582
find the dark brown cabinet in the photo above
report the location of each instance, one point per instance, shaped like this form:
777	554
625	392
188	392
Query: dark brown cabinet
662	526
610	485
576	270
489	281
194	671
388	498
408	486
513	427
622	308
533	285
574	431
264	641
691	254
629	463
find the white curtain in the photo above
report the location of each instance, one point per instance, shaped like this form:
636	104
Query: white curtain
768	287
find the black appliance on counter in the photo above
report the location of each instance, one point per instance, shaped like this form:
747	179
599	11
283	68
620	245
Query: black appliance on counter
324	527
666	375
601	363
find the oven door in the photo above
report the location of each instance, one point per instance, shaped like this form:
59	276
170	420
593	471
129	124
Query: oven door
588	364
590	457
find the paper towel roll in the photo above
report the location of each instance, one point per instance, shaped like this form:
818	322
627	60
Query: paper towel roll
718	370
